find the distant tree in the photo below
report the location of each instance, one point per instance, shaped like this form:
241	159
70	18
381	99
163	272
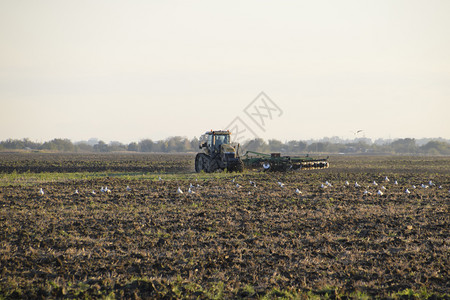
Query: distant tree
194	144
27	143
133	147
404	146
84	147
176	144
436	148
64	145
101	146
146	146
317	147
296	146
276	146
258	145
116	146
13	144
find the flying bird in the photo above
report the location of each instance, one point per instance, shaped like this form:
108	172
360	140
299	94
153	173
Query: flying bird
356	132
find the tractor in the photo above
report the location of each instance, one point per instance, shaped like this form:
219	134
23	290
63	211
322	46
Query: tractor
218	153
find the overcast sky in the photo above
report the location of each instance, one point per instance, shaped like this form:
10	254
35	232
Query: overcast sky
130	70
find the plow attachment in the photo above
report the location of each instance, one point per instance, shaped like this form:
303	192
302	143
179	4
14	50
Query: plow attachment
276	162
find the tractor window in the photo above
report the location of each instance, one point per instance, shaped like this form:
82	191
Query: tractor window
210	140
222	139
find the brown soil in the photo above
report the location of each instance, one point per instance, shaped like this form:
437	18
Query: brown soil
151	242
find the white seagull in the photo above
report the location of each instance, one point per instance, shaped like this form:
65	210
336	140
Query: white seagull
280	184
380	193
347	183
298	191
407	191
357	185
386	179
396	182
375	183
179	191
191	191
128	188
41	192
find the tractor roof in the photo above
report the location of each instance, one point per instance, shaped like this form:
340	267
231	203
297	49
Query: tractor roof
219	132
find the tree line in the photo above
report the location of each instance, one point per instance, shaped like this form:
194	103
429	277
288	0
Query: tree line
183	145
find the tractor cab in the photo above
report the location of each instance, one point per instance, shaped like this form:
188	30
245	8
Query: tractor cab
218	153
212	141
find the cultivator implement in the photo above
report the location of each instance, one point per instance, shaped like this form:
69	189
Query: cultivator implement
276	162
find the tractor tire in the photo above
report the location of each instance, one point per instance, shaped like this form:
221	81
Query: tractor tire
213	166
202	163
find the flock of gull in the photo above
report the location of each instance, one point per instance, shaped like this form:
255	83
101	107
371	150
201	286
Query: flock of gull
381	189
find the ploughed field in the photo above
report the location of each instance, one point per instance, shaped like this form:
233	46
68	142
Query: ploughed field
256	234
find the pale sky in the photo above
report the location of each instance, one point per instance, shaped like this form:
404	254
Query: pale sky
131	70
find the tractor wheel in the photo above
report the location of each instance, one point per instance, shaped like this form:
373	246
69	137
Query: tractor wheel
201	163
266	166
213	166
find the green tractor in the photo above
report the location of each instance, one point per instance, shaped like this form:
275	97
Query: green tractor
218	153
